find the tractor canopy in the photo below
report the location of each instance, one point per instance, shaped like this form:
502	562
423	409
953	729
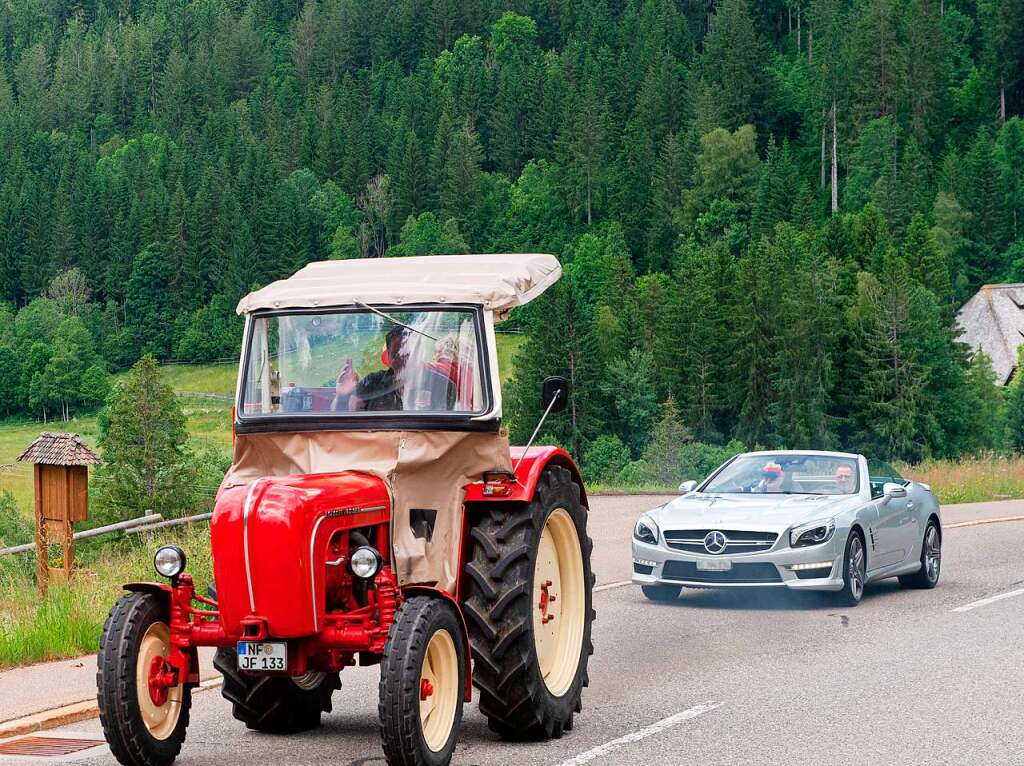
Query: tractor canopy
387	367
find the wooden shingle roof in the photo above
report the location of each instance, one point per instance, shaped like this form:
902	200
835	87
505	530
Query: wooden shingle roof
993	321
59	448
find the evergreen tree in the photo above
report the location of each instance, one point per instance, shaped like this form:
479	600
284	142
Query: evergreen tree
142	442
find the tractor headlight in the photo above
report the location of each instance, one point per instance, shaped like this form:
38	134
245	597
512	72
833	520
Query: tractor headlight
169	561
815	533
365	562
646	531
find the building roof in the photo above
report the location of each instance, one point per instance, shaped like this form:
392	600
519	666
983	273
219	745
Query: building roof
993	321
498	282
59	448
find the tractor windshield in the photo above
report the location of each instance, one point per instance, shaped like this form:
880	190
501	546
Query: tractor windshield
360	361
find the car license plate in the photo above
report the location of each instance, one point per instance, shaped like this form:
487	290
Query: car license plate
259	656
714	565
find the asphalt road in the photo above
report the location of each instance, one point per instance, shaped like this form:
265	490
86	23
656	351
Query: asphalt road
733	677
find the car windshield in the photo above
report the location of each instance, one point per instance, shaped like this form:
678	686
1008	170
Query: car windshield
787	474
345	362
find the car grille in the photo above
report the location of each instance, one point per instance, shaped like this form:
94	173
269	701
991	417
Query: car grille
740	573
692	541
643	569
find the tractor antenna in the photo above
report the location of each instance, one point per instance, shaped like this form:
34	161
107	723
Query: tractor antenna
543	417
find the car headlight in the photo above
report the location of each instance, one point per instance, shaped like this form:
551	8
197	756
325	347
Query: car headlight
169	561
646	531
365	562
815	533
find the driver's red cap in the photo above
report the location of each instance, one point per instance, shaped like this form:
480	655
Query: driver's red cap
773	469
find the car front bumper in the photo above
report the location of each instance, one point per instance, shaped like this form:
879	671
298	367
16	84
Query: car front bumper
660	565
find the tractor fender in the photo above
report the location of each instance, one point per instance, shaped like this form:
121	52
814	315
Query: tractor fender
531	464
429	590
157	588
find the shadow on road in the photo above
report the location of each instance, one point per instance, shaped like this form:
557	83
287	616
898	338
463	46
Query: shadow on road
768	599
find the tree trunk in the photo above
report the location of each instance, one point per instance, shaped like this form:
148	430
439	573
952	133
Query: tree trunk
810	42
824	123
1002	101
589	194
799	30
835	161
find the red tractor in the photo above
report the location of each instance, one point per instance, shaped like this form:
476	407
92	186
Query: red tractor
374	513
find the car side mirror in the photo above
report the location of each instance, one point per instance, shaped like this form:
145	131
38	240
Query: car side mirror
687	487
891	490
555	393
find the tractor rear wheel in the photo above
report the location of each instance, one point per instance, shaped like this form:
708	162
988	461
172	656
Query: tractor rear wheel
275	704
529	609
144	724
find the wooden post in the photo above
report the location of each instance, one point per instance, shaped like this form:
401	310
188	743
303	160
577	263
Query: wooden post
42	553
60	469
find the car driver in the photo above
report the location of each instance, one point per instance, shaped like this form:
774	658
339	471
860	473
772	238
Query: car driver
844	479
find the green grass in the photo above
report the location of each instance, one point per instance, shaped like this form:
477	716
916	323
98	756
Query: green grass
68	622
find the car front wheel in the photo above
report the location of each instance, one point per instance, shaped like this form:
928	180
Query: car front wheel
854	571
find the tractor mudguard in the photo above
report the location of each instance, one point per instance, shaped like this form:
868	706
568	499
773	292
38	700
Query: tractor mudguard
157	588
528	471
429	590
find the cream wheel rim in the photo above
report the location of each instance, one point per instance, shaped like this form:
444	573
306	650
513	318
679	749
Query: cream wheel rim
439	690
559	602
160	720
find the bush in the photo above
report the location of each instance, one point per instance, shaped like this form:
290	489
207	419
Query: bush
15	528
604	460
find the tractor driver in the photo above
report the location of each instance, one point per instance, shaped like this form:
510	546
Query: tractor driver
378	391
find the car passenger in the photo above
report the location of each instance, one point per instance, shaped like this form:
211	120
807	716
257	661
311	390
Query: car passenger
772	478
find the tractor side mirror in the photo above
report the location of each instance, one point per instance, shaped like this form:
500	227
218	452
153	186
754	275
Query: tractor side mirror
687	486
555	393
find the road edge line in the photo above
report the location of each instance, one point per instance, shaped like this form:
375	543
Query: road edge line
68	714
979	522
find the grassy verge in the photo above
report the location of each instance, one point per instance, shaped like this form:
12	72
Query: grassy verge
68	622
971	480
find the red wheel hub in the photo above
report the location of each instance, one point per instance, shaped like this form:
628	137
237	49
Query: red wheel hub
161	679
545	599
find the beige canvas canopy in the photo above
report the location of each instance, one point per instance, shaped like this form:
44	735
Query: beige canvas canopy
498	282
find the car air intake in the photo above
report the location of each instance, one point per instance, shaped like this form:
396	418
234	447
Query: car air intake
751	573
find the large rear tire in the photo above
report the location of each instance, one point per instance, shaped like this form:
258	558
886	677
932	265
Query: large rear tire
275	704
529	609
422	684
141	729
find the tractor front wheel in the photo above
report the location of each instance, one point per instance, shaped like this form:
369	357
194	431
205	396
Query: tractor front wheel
422	683
529	609
144	723
272	703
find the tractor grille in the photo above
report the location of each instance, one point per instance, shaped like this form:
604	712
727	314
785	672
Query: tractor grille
692	541
740	573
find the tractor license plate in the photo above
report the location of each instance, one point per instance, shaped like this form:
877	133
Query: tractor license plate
714	565
259	656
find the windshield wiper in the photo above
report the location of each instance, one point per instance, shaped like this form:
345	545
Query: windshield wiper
395	321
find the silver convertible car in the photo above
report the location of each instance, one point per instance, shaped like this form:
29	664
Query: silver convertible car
823	521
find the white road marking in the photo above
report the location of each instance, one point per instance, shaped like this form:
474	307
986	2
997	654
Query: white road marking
610	585
647	731
989	600
979	522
